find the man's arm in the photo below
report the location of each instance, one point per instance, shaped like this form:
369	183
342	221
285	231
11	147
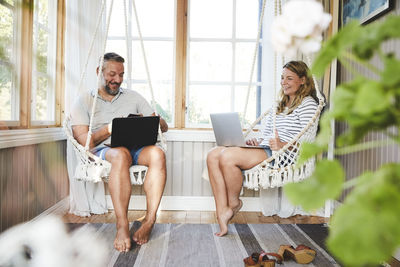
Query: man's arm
163	124
80	133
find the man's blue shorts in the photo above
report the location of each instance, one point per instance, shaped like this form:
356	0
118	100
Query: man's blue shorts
101	153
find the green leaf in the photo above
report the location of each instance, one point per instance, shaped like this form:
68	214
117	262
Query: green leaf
308	150
365	229
370	99
335	46
374	34
325	183
392	65
343	100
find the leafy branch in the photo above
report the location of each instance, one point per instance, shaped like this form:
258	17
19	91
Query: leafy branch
365	229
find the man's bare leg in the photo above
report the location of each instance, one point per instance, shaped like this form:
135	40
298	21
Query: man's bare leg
120	190
154	183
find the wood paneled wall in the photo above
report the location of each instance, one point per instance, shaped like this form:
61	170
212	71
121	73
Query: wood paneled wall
357	163
32	179
186	161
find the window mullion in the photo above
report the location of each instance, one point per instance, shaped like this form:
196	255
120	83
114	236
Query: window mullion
180	65
233	55
26	63
59	108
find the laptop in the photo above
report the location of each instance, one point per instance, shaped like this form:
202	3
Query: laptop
228	130
134	131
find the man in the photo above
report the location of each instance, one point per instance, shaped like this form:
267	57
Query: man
112	102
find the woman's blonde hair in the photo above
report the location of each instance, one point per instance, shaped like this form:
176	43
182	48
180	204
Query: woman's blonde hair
306	89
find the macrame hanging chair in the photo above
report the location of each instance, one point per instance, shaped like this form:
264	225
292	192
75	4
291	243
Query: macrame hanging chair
91	168
281	167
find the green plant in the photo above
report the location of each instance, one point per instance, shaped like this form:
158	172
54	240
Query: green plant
365	229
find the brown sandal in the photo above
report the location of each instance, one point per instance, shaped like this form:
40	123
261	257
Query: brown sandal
262	260
252	260
301	254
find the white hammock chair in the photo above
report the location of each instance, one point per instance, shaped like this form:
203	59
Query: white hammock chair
284	169
90	167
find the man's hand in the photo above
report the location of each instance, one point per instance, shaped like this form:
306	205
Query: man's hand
163	123
109	127
275	143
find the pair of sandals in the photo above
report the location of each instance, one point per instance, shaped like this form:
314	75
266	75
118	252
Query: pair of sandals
301	254
262	259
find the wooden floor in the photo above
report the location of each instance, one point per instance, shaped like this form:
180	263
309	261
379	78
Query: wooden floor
203	217
197	217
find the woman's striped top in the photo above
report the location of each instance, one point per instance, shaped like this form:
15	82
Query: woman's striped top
288	126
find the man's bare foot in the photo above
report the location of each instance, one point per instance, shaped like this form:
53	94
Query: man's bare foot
122	241
237	208
142	235
223	219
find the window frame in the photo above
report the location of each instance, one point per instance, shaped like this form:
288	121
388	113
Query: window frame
181	68
180	80
24	65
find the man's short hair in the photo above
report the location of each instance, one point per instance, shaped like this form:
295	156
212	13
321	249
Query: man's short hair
111	56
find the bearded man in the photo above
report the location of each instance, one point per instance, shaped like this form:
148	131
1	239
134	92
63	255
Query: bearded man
113	102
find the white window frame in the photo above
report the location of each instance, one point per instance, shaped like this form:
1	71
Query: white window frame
128	80
15	91
233	41
51	63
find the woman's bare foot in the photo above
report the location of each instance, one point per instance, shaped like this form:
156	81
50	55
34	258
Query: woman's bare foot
142	235
237	208
122	241
223	219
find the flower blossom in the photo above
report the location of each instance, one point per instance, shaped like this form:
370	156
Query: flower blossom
46	243
300	27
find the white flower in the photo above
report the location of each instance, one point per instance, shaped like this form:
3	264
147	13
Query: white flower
299	27
45	243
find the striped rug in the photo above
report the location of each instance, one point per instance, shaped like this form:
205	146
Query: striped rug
196	245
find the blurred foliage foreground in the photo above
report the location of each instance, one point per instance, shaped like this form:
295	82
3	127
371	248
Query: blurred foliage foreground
365	229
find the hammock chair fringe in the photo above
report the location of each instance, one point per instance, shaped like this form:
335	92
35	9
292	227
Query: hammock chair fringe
91	168
264	176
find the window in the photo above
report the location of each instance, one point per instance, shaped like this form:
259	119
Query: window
199	63
157	26
9	93
221	40
29	91
44	62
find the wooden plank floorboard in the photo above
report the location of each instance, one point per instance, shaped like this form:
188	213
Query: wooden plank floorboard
208	217
205	217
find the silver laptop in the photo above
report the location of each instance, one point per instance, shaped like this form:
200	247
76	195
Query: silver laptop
228	130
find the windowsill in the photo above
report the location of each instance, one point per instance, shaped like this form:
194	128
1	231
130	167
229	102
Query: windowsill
190	135
14	138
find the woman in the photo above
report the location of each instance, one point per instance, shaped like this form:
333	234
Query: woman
297	106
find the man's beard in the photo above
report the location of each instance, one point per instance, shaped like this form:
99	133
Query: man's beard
110	91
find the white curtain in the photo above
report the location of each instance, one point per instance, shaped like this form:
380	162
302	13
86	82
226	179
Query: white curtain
81	20
273	200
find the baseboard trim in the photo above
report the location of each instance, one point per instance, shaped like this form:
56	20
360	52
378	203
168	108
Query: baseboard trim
187	203
60	208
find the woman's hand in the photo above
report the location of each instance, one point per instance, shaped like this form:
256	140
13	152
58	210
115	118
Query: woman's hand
253	142
275	143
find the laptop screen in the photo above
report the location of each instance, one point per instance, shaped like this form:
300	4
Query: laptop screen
134	131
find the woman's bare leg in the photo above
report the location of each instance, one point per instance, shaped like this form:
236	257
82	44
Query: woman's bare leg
217	180
231	161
